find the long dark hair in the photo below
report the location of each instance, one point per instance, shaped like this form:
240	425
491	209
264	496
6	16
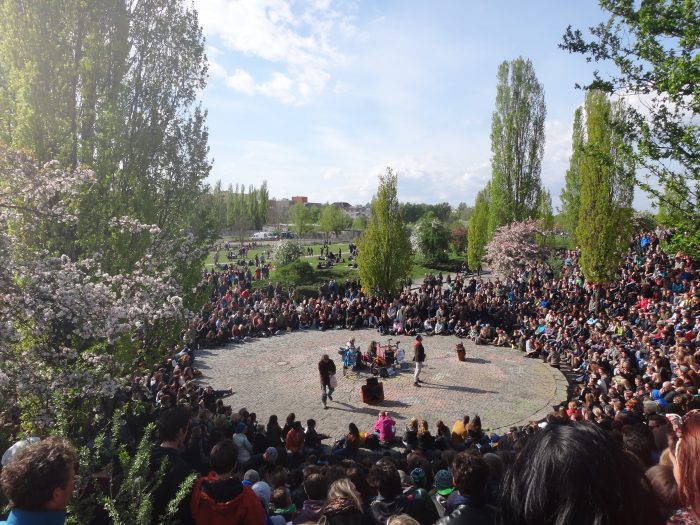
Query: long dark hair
576	473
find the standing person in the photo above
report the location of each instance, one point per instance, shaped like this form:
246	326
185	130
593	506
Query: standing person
173	426
419	359
326	369
39	483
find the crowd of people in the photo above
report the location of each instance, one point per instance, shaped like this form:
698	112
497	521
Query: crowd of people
625	448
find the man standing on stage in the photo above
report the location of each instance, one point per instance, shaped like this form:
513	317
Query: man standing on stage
326	369
418	358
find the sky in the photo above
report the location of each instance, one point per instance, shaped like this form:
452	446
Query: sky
318	97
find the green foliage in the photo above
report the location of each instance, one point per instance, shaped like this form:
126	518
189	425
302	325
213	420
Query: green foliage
517	144
571	192
672	214
295	273
110	86
459	238
478	230
384	259
359	223
652	48
607	187
287	251
644	221
546	216
111	475
462	212
431	239
333	220
301	218
236	208
413	212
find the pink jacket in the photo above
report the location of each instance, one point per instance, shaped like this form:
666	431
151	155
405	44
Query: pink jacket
386	428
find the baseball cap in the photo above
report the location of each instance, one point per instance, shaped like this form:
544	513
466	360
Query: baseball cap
443	483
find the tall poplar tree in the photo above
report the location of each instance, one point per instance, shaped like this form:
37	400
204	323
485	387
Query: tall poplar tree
650	48
571	192
478	230
384	260
517	143
607	188
110	85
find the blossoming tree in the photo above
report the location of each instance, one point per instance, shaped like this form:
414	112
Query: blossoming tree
68	325
515	246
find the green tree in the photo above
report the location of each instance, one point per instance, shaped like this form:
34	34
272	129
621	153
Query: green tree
478	229
607	189
359	223
517	143
459	238
411	212
546	216
384	259
462	212
432	239
301	218
653	49
239	211
111	86
332	220
571	192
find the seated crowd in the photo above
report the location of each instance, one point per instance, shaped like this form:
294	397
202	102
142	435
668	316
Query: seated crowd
624	449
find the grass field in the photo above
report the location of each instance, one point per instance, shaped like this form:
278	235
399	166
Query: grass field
339	272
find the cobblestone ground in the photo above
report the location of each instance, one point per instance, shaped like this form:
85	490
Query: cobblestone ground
279	375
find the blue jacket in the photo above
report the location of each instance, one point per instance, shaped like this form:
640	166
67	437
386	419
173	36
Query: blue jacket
35	517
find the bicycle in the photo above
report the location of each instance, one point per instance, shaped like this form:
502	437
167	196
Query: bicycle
385	357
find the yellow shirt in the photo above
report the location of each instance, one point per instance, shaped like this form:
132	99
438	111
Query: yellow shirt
459	432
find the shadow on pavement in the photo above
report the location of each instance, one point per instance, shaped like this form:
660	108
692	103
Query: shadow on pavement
455	388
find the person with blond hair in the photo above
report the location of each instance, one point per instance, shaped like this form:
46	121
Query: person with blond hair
343	505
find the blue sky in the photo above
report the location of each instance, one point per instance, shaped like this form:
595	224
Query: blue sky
318	97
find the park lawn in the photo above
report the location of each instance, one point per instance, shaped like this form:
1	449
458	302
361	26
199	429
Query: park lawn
269	245
420	267
342	271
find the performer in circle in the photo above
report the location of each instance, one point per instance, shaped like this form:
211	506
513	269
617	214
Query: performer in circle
326	369
419	359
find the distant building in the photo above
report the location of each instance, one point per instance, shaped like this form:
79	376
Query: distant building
300	199
361	210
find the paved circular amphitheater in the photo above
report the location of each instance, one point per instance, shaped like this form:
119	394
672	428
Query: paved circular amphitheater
279	375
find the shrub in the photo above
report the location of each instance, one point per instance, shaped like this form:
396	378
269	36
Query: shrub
286	251
296	272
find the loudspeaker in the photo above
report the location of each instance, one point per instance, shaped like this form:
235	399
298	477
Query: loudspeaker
373	394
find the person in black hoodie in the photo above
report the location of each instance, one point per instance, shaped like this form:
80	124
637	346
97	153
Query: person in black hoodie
173	426
385	478
470	473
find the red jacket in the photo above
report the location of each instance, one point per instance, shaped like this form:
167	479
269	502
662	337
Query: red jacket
225	502
295	441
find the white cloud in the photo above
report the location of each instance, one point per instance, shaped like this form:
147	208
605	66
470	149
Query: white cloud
282	33
216	70
279	87
557	147
241	81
